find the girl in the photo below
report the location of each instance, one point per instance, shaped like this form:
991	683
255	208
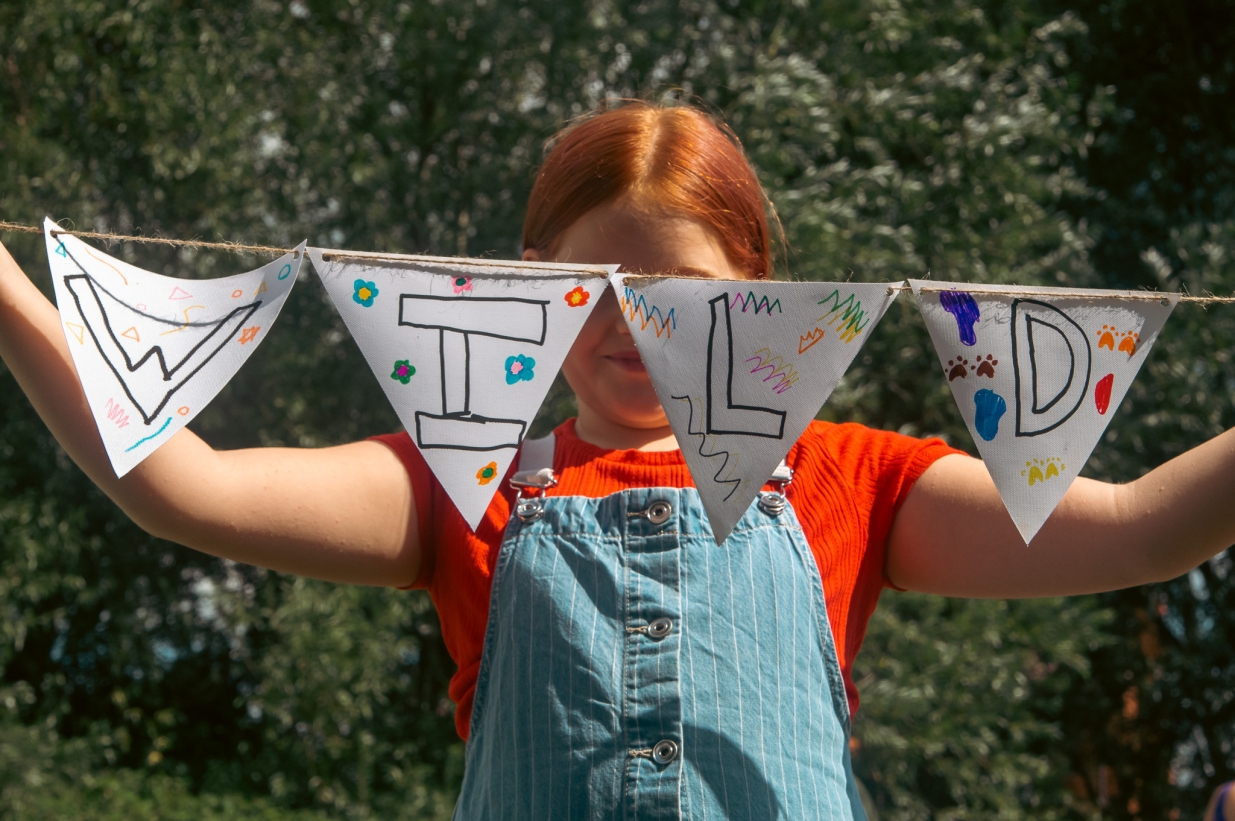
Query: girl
613	660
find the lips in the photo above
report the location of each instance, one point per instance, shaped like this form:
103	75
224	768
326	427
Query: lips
627	361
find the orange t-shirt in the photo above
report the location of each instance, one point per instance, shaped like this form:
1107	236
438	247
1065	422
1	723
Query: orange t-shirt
848	483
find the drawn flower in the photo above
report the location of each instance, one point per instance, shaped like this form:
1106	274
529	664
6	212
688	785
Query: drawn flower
404	371
519	368
487	473
462	285
365	293
578	297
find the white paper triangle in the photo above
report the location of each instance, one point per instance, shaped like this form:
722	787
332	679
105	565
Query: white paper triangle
464	349
742	367
152	351
1037	376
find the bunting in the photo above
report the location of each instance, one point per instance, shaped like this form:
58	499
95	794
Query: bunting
741	368
151	351
465	351
1037	375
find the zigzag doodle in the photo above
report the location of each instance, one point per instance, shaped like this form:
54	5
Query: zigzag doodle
779	367
846	317
634	305
760	303
703	441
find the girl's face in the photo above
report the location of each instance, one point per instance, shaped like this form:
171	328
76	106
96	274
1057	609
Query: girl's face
617	406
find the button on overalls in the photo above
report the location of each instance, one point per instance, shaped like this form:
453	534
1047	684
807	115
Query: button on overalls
634	669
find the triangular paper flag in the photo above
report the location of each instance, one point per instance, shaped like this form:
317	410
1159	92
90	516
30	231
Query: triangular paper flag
464	349
149	362
742	367
1037	375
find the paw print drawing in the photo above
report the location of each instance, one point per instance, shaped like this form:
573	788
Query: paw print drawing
1112	340
1039	470
960	367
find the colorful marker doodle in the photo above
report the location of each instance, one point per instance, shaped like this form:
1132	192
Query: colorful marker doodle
285	271
1040	470
261	289
1045	376
730	380
964	310
95	304
365	293
103	261
846	316
759	303
116	413
1127	343
403	372
577	297
960	367
146	439
636	307
727	416
1102	393
487	473
809	340
462	285
181	328
708	441
519	368
778	368
989	408
146	347
249	334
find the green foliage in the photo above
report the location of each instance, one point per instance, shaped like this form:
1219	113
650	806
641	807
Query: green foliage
1084	145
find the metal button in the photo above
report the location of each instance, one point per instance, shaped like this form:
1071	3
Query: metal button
529	510
665	751
659	512
660	628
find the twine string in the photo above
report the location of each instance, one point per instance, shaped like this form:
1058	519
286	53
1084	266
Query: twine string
236	247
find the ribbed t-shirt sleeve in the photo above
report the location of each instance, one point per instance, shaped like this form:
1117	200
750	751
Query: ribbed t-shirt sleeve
424	491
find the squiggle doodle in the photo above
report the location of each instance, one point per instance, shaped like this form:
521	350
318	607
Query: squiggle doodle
115	412
809	340
725	467
778	367
846	316
760	303
634	305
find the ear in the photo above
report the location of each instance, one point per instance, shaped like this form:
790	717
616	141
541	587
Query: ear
531	255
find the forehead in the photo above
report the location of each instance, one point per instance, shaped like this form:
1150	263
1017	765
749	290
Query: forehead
648	241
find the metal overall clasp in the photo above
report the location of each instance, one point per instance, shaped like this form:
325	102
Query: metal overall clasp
532	485
772	502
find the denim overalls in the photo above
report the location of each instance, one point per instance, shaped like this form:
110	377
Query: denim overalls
633	669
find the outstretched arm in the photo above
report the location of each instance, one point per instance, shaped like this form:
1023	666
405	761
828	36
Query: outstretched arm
342	514
954	537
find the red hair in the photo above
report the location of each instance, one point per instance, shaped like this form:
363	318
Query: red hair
674	157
